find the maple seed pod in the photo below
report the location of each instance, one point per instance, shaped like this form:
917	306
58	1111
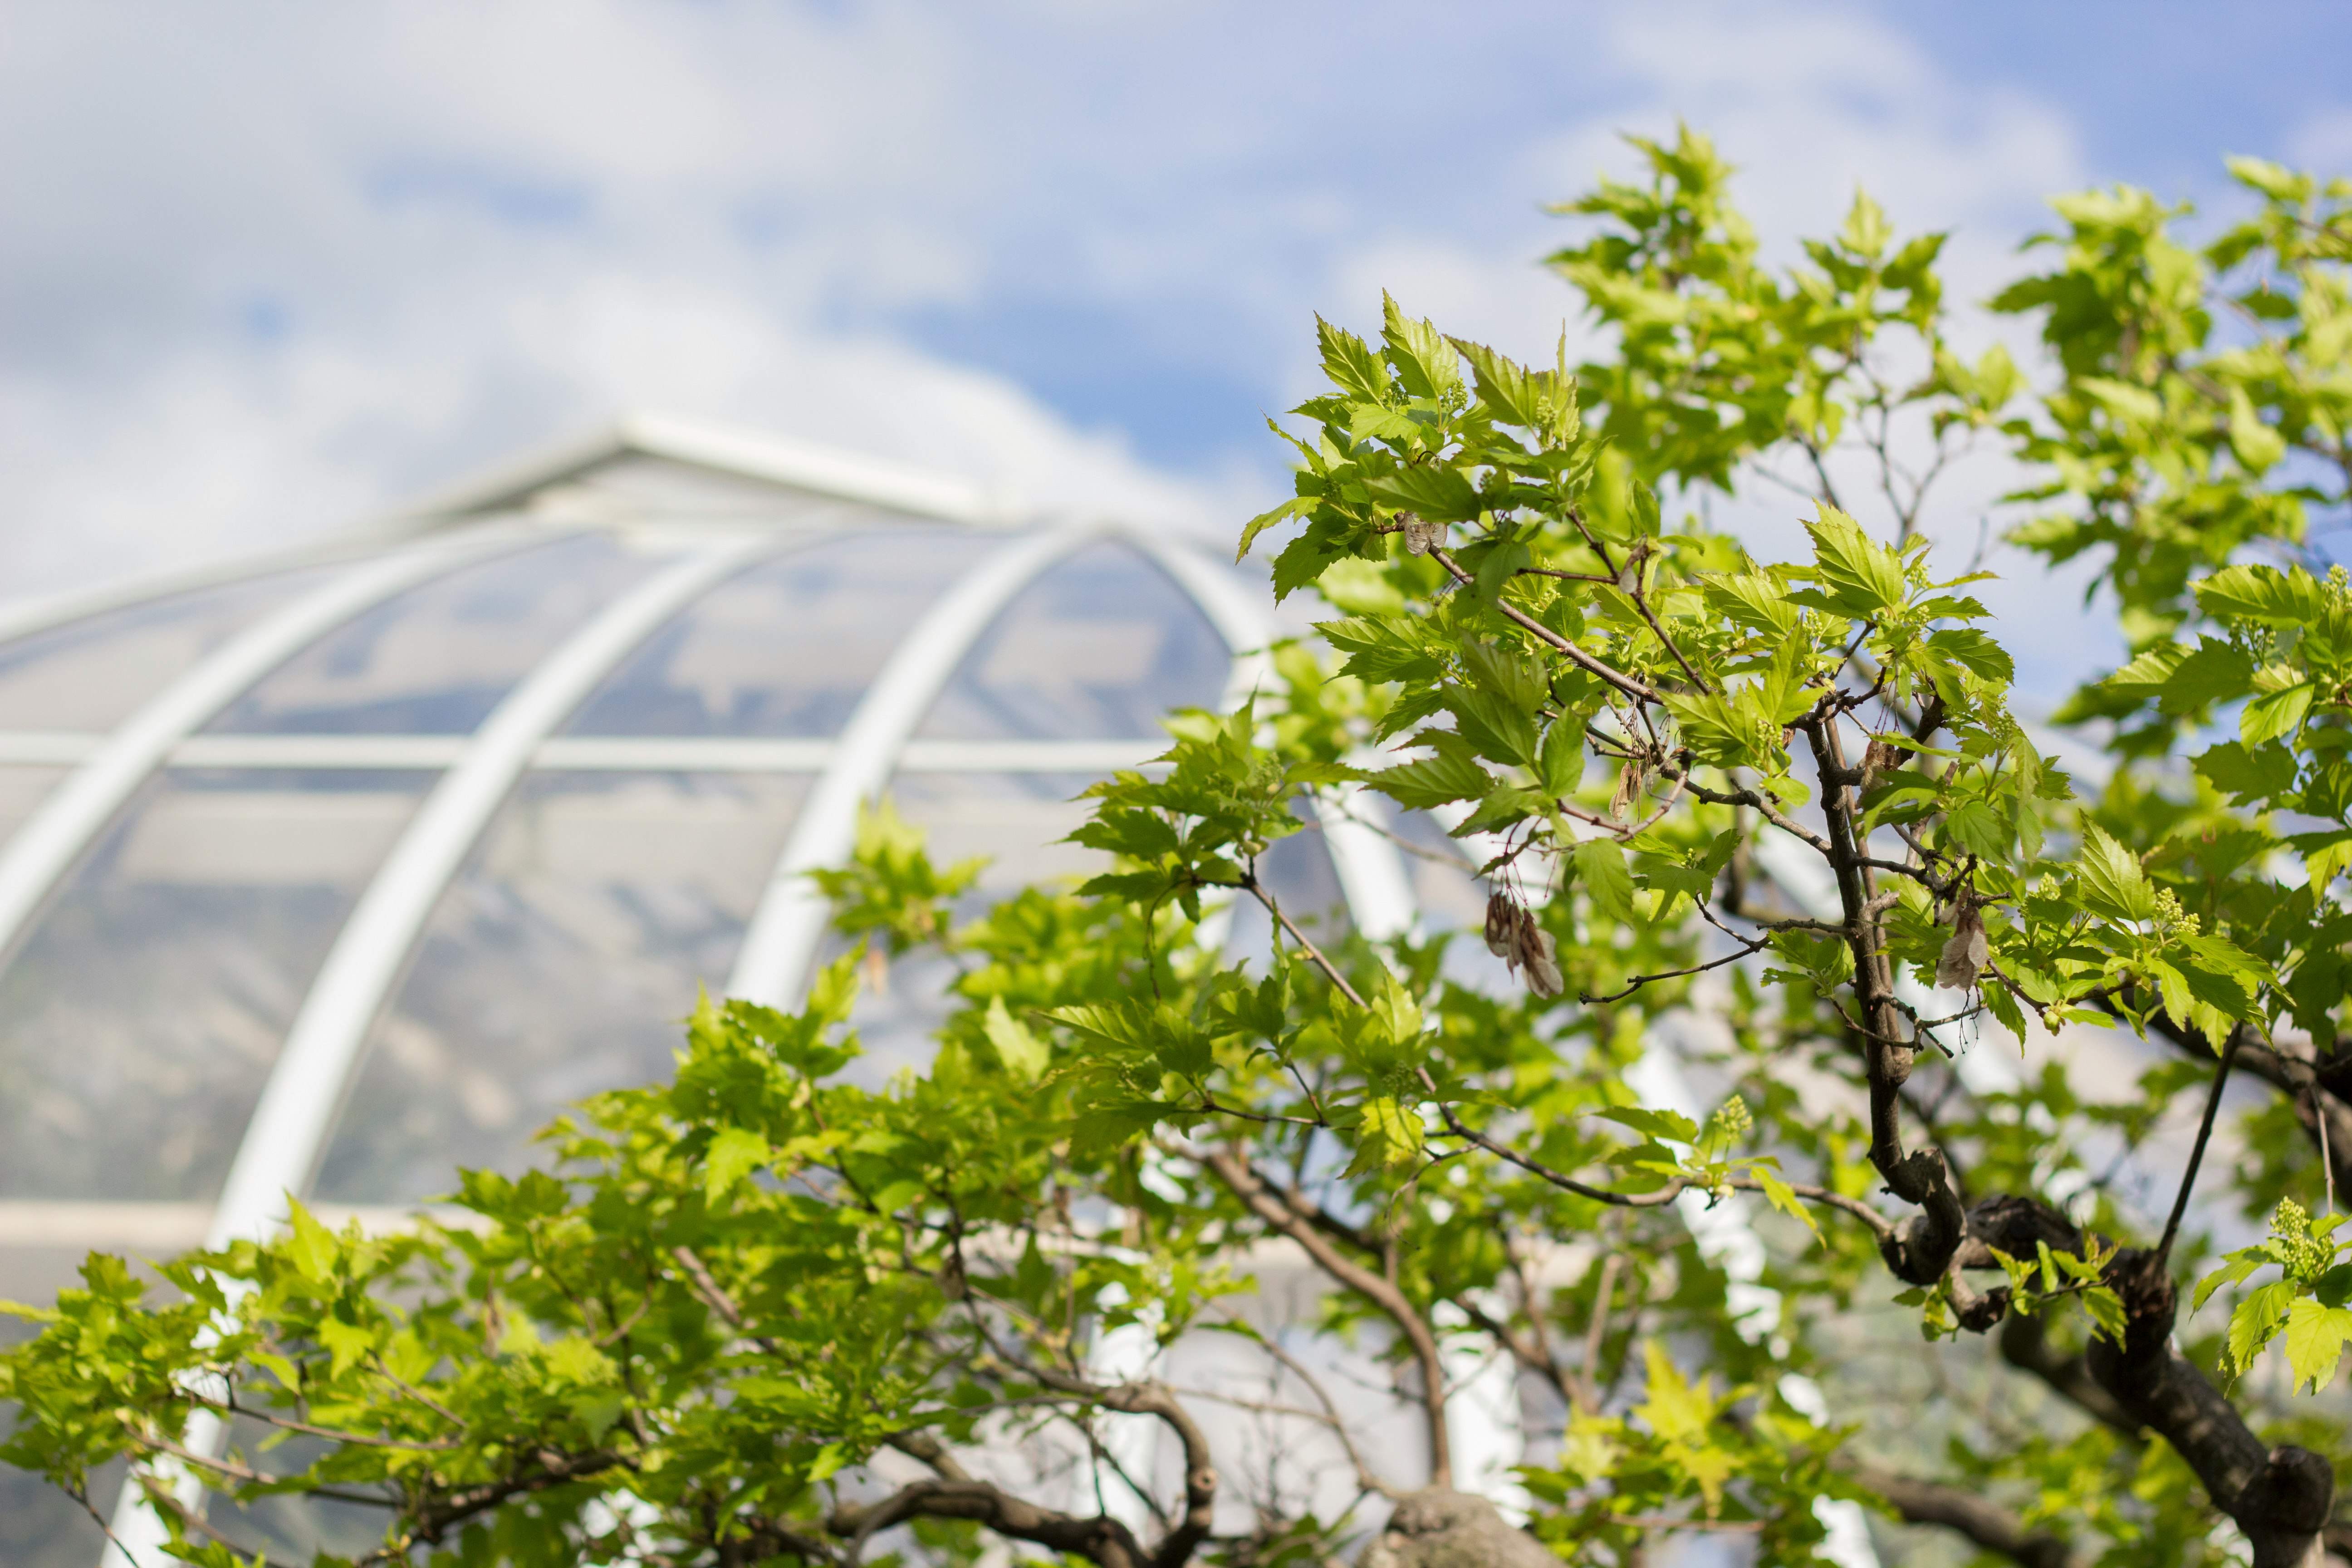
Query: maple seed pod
1539	957
1630	781
1967	954
1502	925
1512	936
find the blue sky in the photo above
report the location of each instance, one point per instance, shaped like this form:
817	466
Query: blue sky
271	266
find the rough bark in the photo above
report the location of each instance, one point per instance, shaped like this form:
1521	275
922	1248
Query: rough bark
1921	1248
1441	1528
2280	1496
2025	1346
1098	1539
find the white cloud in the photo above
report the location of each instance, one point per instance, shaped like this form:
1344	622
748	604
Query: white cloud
275	265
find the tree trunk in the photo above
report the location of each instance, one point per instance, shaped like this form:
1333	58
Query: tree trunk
1440	1528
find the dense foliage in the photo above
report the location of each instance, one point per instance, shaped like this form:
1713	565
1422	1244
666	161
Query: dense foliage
765	1313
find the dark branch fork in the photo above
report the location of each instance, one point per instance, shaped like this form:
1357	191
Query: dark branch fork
2280	1498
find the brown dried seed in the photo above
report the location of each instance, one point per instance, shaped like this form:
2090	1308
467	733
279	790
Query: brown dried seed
1502	924
1965	956
1630	780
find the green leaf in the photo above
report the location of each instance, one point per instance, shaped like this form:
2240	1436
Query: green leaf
1599	866
1979	829
2106	1311
1100	1127
1783	1196
1670	1125
2275	714
1753	600
735	1152
1295	507
1437	494
1394	1009
1498	564
2111	879
1450	775
2257	772
347	1344
1389	1137
2257	1318
2241	1265
2258	445
1974	651
1350	364
2263	594
1425	361
1020	1051
312	1248
2315	1342
1861	577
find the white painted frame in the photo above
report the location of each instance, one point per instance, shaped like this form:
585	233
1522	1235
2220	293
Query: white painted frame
791	915
308	1085
77	810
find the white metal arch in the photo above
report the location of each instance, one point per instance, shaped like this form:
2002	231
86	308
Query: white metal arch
792	914
307	1087
53	838
1371	873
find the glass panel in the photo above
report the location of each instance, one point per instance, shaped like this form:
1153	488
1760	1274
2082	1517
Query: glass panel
558	965
1297	873
789	648
40	1527
140	1019
91	673
1016	820
436	659
22	790
1101	645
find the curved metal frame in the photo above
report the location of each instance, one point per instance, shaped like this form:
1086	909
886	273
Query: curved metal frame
300	1104
792	914
77	811
306	1087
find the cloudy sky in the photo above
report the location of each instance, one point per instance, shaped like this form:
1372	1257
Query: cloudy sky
268	268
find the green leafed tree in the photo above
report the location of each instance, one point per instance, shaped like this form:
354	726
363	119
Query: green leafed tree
1774	818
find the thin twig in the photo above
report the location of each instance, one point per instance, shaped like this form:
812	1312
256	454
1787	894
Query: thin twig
2197	1153
2327	1163
1616	678
1315	954
1641	980
1596	1332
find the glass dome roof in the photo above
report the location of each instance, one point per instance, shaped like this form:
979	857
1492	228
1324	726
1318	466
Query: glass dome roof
332	874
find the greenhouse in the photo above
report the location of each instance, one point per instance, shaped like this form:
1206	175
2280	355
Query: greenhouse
333	873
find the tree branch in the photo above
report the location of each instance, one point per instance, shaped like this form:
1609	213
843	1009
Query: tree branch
1263	1201
1981	1521
2281	1497
1100	1540
1551	638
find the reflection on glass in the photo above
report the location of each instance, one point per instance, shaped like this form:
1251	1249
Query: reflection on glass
558	965
1101	645
435	660
786	649
90	674
140	1019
